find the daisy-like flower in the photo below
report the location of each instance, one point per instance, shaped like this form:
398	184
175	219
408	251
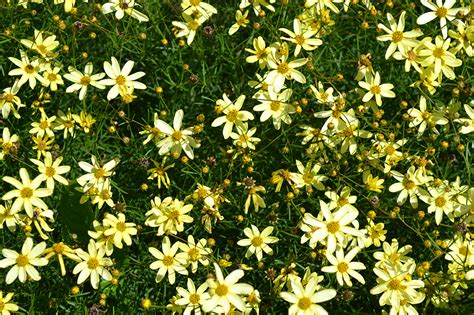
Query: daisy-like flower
233	114
93	265
27	192
308	176
52	78
189	27
159	172
258	241
375	89
336	117
462	37
42	46
444	11
24	263
256	199
42	144
439	56
10	102
121	78
244	137
467	123
122	7
51	171
191	7
241	20
9	217
440	202
153	133
323	96
176	139
260	53
375	234
84	120
65	122
344	267
399	39
334	229
192	298
276	105
226	292
302	38
103	194
44	126
169	215
101	241
95	172
423	118
305	300
118	229
168	261
393	255
24	3
6	304
342	199
8	143
411	57
83	80
282	70
196	252
60	249
408	185
29	70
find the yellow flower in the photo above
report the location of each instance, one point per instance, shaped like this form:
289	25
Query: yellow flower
196	252
51	171
68	4
93	265
372	183
260	52
197	6
168	215
375	89
282	70
408	185
52	78
121	78
375	234
192	298
445	12
103	194
65	122
6	304
344	267
241	21
96	173
277	106
83	80
44	47
168	261
118	229
24	263
233	114
438	54
189	27
9	217
84	120
60	250
258	241
27	193
120	7
42	145
10	102
308	176
159	172
29	70
302	38
8	143
256	199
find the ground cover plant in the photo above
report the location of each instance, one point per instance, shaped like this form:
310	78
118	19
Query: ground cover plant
236	157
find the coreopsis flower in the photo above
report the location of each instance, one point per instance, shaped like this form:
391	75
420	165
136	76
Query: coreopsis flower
305	299
332	227
408	185
301	37
118	229
256	199
8	142
467	123
169	261
308	176
258	241
65	122
375	89
42	46
42	144
233	114
83	80
393	255
122	7
101	241
342	199
344	267
192	298
349	133
39	221
439	56
241	20
257	5
260	53
226	292
169	215
51	77
462	38
24	3
51	171
461	251
336	117
159	172
24	263
244	137
9	217
444	11
61	250
176	139
399	39
412	58
196	252
84	120
323	96
423	118
121	78
10	102
29	70
277	106
281	70
103	194
193	6
189	27
7	305
96	173
440	202
27	193
375	234
93	265
44	126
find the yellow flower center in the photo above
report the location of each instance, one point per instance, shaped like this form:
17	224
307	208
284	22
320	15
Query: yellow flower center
244	138
299	39
29	69
85	80
232	115
408	184
261	54
222	290
242	21
177	135
333	227
120	80
395	284
26	193
308	178
195	3
194	254
275	106
2	305
463	250
193	25
283	68
304	303
194	298
342	267
92	263
50	171
104	194
440	202
342	201
438	52
42	49
426	115
99	173
411	55
389	150
257	241
22	260
168	261
441	12
121	226
8	97
336	113
52	76
397	36
58	248
44	124
173	215
68	124
375	89
155	131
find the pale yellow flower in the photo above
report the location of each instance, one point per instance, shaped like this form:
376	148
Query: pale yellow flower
258	241
118	229
344	267
168	261
301	37
93	265
233	114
